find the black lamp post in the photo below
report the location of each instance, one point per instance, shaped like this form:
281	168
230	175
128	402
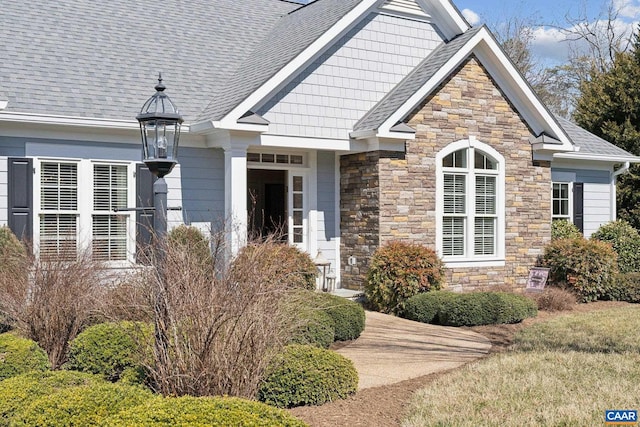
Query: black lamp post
160	130
160	124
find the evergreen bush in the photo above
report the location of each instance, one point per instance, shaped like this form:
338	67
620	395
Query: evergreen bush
18	392
110	349
314	326
471	309
203	411
86	405
348	316
625	287
399	271
19	355
191	239
587	267
306	375
564	229
426	307
625	240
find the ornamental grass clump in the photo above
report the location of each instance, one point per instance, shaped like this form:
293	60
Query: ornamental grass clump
399	271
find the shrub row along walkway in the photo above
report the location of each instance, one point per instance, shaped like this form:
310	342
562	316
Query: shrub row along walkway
392	349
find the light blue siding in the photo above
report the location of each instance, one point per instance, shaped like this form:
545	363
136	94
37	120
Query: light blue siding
12	147
202	179
598	207
83	150
327	229
345	82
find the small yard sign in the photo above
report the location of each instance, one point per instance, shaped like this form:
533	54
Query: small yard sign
537	279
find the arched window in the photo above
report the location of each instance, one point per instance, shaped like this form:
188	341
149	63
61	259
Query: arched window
470	204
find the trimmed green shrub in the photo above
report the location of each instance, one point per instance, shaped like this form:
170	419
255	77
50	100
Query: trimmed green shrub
426	307
203	412
625	241
399	271
18	392
19	355
314	327
306	375
626	287
348	316
472	309
192	240
587	267
110	349
564	229
282	262
86	405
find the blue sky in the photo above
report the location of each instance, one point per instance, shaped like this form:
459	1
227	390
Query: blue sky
550	44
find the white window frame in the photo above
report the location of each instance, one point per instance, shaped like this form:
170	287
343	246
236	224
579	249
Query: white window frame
469	259
569	216
85	208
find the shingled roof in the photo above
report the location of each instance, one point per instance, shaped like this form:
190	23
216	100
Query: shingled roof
100	59
592	145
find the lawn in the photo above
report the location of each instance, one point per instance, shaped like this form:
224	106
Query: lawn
563	372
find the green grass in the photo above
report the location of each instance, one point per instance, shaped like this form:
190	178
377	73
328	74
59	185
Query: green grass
545	381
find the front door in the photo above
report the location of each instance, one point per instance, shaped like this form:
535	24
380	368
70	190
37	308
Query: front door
266	202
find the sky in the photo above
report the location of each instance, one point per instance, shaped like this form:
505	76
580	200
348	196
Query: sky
550	44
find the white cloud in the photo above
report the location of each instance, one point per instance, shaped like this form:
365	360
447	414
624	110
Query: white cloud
550	45
472	17
629	9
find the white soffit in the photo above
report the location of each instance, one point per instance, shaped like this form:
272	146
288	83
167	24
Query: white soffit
405	7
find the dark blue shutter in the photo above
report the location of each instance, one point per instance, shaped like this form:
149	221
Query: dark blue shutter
144	219
578	205
20	181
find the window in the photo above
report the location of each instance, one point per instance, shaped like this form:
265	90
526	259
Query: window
561	201
72	215
470	203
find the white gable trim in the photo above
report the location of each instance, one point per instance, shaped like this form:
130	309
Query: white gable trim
304	58
446	16
516	89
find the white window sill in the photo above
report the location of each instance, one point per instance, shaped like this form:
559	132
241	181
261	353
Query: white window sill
471	263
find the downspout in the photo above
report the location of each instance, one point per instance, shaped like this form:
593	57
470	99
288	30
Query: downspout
623	169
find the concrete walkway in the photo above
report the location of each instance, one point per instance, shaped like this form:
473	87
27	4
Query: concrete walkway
392	349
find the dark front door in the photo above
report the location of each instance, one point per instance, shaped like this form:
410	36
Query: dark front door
266	202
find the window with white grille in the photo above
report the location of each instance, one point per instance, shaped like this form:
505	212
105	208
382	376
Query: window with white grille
471	202
561	201
59	206
110	190
78	202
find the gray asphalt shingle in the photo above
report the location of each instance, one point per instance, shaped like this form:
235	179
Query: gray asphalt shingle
589	143
100	59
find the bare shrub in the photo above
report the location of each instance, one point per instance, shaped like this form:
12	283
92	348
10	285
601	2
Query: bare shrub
217	325
50	299
554	299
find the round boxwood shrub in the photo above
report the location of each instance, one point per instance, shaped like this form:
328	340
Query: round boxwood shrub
399	271
587	267
306	375
425	307
348	316
18	392
81	406
19	355
476	308
313	327
563	229
109	349
625	241
203	411
283	262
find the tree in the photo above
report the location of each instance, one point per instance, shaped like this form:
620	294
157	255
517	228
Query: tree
609	106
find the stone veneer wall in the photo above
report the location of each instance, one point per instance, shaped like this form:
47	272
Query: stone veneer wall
359	215
469	103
